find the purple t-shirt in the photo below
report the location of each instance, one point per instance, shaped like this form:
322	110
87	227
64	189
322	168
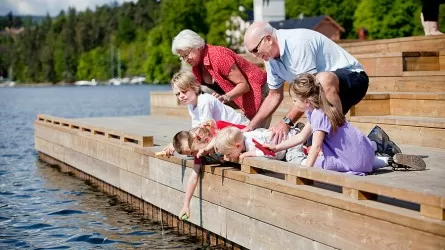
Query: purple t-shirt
346	150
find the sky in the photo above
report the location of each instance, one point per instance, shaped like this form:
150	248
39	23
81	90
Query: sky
53	7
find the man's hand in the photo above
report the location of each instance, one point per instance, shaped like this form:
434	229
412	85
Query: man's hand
279	132
185	210
246	129
169	150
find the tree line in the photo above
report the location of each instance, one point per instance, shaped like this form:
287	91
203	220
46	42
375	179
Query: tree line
85	45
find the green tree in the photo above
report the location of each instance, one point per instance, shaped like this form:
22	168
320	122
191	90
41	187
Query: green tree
161	64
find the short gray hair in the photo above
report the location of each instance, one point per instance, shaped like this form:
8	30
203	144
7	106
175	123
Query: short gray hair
269	30
187	39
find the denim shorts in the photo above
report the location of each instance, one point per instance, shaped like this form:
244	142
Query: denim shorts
353	87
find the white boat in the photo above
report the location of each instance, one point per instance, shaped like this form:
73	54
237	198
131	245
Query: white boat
86	83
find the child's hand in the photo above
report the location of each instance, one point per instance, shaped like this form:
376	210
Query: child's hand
271	147
202	152
169	150
246	154
184	211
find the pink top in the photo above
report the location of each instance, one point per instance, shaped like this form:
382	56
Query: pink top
218	61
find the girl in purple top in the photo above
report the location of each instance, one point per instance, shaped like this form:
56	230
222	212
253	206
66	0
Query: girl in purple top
344	148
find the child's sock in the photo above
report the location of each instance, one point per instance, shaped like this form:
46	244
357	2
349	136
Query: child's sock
380	162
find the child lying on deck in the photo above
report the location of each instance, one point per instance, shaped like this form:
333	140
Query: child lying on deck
345	148
189	143
201	106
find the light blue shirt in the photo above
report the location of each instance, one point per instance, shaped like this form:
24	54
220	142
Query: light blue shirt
306	51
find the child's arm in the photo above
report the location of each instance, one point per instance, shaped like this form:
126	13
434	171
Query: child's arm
294	140
207	150
248	154
317	141
190	189
167	151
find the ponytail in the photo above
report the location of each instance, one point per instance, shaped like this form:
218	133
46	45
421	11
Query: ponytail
306	86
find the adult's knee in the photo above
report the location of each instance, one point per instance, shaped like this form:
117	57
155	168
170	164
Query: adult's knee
328	80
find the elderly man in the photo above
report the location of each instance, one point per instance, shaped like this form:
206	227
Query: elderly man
289	53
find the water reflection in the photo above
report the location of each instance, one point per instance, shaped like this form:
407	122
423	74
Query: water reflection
42	208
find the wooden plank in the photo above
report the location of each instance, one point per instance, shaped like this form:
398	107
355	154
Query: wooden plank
433	212
420	136
418	198
419	43
357	194
416	107
421	63
139	140
402	121
248	169
442	60
369	107
316	196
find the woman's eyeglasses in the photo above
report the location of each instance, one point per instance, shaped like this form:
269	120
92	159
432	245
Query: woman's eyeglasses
185	56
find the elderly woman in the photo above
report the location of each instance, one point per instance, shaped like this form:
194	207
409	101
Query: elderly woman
228	74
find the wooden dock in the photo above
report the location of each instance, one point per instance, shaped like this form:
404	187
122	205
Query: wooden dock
286	207
266	204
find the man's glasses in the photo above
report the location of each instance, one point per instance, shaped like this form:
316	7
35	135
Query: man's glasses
255	50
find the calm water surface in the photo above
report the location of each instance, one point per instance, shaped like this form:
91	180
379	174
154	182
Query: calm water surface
41	208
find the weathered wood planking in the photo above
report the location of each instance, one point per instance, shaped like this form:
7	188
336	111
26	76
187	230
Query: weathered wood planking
109	154
404	44
219	193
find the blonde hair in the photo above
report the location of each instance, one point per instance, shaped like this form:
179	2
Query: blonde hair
187	39
227	138
306	86
184	80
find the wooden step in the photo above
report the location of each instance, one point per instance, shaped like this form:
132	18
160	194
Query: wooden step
407	84
419	81
423	104
396	63
404	44
421	131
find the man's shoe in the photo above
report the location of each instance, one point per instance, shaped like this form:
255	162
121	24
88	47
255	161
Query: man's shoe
408	162
385	147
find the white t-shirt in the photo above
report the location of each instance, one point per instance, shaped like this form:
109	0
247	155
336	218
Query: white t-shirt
306	51
263	136
210	108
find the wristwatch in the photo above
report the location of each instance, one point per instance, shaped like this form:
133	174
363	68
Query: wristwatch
288	121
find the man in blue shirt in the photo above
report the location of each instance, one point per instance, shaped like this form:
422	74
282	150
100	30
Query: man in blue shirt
288	53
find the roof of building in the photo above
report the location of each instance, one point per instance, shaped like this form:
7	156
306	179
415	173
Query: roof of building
305	22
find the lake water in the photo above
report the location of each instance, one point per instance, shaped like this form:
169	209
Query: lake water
42	208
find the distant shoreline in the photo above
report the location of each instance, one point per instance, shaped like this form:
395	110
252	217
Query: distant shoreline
36	85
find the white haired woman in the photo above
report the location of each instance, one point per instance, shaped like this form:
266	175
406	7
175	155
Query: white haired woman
228	74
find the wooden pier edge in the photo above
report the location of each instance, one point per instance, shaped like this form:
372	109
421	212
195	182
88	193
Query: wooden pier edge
145	209
136	164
